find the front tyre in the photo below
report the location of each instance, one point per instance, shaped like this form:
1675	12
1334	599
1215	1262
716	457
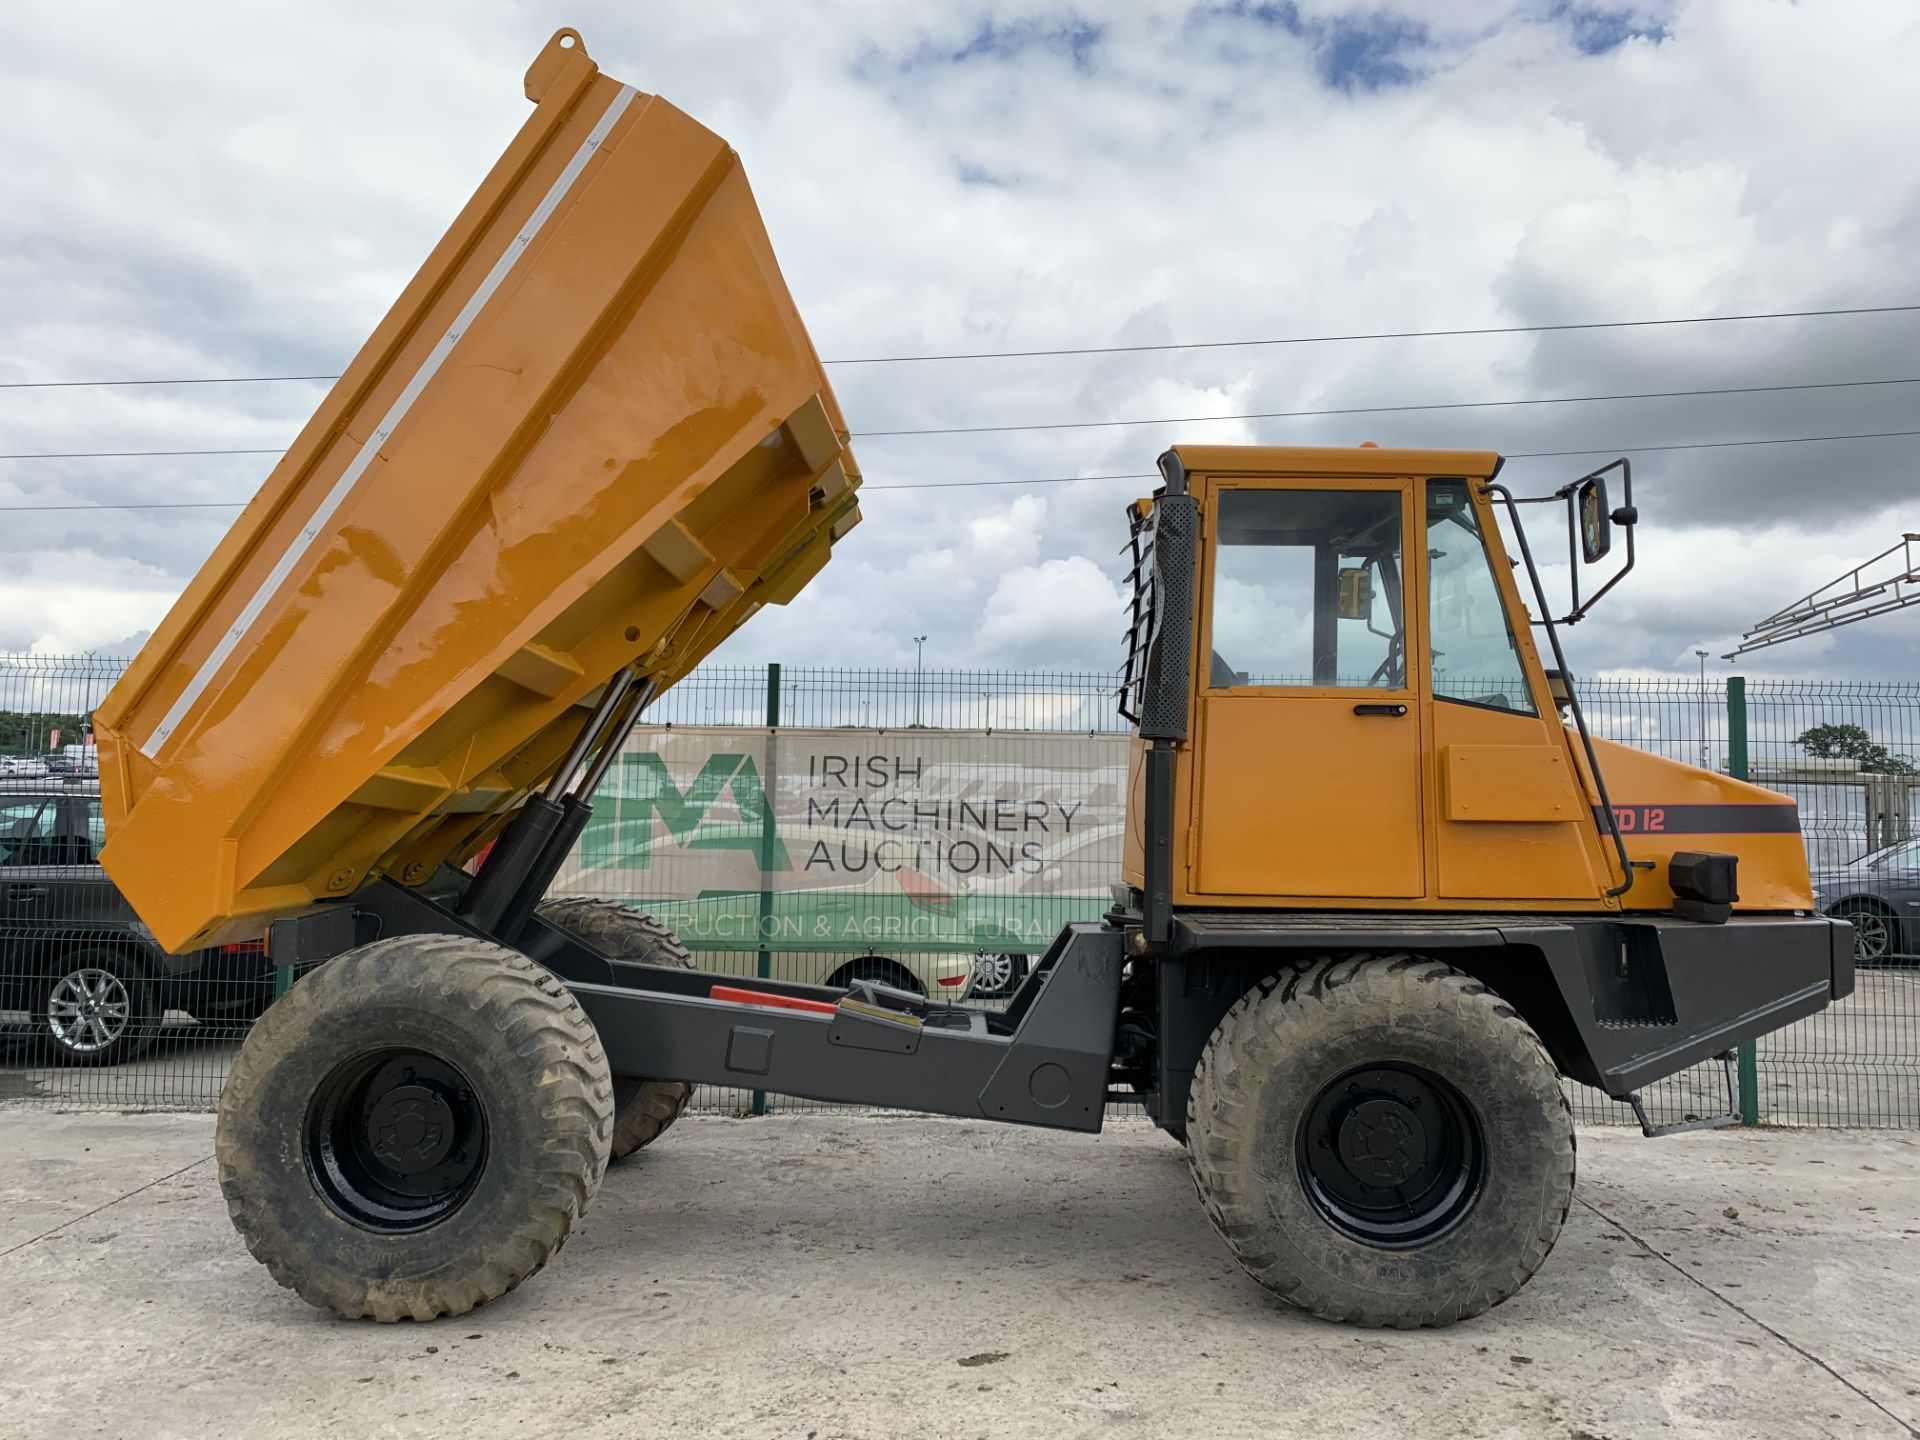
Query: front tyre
415	1128
1381	1140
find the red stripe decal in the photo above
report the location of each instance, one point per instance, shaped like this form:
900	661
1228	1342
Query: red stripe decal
771	1002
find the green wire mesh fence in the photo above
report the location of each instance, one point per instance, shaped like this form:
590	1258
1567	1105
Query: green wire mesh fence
1028	768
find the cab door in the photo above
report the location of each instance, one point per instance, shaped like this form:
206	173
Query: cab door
1308	781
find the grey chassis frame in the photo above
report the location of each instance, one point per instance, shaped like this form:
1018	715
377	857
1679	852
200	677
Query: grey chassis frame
1619	1002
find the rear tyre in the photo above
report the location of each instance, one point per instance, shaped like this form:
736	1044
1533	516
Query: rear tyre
642	1108
415	1128
1381	1140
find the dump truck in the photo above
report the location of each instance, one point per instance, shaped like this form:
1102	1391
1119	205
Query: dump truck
1383	890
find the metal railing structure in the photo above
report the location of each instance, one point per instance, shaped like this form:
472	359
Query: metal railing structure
766	813
91	1012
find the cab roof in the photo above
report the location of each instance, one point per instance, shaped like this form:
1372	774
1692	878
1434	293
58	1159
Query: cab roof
1334	460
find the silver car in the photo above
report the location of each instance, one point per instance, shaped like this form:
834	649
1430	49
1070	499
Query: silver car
1880	895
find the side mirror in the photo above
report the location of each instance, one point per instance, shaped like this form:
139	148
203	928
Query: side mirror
1356	593
1596	518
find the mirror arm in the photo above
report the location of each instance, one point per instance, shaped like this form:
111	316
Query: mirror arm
1626	516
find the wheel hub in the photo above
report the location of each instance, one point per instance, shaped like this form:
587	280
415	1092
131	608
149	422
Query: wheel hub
992	973
1382	1141
396	1140
1391	1155
410	1129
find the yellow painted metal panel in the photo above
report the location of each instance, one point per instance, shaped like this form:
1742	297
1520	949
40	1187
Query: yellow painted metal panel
1515	825
1664	806
1291	461
592	431
1508	782
1299	796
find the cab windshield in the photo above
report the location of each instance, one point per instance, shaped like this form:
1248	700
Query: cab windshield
1475	658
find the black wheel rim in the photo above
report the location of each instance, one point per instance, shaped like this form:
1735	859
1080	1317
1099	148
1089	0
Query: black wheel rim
396	1140
1392	1156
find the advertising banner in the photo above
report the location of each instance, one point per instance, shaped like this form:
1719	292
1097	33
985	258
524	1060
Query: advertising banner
860	839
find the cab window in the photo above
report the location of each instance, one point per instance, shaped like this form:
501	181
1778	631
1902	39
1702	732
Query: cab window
1475	660
25	825
1306	590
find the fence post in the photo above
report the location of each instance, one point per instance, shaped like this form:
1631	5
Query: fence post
1737	767
770	788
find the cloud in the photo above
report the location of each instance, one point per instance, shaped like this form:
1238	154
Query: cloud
78	602
1025	174
1056	615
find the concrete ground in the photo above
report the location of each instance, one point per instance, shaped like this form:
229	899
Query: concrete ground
860	1276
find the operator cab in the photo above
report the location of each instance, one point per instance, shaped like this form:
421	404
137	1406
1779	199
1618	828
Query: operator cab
1374	723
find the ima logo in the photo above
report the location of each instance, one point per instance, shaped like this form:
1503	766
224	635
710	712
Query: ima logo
648	790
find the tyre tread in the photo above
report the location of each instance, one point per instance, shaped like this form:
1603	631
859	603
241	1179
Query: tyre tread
540	1022
1222	1113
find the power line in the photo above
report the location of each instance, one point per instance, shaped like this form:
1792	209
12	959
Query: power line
143	505
1380	335
1509	454
979	484
131	454
1389	409
1167	420
1117	349
184	380
1708	445
1148	474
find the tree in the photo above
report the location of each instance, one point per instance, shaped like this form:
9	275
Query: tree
1851	742
29	731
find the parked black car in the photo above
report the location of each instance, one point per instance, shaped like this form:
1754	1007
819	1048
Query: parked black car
1880	894
81	979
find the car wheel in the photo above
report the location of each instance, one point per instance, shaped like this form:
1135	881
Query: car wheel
1872	931
95	1007
997	975
879	970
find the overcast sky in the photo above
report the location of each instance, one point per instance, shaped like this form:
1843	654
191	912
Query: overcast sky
210	189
